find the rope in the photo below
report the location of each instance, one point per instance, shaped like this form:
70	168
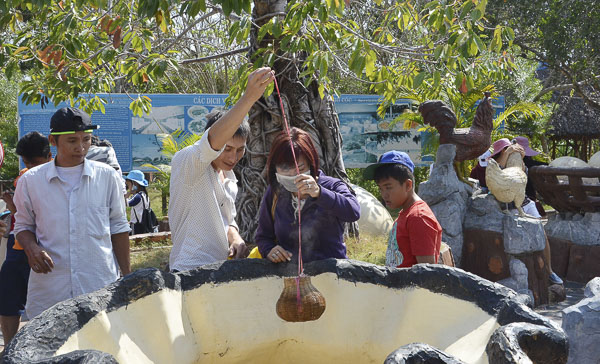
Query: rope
300	266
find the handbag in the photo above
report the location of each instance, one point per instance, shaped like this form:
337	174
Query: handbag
148	223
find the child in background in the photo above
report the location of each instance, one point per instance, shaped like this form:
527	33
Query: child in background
418	233
137	199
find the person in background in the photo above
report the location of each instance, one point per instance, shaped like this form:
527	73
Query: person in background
418	233
71	218
530	162
502	148
137	198
203	186
325	204
103	151
34	150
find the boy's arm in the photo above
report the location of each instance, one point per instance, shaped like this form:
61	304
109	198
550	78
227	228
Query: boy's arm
425	259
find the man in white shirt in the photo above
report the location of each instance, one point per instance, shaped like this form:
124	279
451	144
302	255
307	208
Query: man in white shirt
71	218
203	186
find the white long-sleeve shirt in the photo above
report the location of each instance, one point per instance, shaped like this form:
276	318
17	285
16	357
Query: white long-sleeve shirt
74	229
201	208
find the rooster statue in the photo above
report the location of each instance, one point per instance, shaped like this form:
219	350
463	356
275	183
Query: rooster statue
508	184
470	142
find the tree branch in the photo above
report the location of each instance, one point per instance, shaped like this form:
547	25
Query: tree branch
270	15
215	56
564	87
202	18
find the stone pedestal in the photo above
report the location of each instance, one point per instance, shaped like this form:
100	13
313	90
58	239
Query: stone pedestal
447	198
505	249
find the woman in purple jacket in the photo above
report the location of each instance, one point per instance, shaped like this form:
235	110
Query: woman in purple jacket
326	203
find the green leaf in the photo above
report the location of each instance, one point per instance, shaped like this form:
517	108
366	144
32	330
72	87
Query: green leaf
436	79
476	14
321	90
137	44
418	80
269	89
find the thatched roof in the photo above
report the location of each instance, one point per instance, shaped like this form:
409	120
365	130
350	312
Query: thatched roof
574	118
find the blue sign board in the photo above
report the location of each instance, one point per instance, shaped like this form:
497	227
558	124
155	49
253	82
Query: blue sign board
138	140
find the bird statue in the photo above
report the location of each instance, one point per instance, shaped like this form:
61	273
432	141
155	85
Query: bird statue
470	142
508	184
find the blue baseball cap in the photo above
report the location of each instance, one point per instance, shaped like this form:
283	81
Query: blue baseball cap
137	176
391	157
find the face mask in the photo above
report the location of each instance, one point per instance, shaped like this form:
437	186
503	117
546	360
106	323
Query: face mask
288	181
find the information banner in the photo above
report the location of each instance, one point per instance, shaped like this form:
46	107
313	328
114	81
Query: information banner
138	140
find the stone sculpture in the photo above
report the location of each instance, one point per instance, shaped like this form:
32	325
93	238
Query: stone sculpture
470	142
508	184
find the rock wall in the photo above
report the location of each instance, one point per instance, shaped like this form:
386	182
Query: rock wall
575	243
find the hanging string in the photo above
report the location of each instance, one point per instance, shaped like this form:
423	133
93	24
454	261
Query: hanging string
300	266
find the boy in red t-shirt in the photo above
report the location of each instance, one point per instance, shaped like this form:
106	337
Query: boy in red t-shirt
418	233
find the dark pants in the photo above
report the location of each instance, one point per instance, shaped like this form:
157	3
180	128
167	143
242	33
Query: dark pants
14	276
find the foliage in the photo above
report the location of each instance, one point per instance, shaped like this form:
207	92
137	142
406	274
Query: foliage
355	175
8	128
70	48
563	36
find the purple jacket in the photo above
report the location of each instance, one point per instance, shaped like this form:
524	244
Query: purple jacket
322	221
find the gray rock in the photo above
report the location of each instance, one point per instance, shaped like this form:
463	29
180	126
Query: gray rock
418	353
592	288
520	343
523	235
518	276
518	271
447	198
582	230
443	180
581	322
526	297
483	213
557	293
510	283
450	215
518	281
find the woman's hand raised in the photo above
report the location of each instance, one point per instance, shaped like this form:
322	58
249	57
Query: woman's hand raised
307	185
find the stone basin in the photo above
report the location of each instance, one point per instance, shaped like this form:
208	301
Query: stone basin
225	313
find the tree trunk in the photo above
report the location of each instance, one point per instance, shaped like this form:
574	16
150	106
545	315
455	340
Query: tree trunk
304	109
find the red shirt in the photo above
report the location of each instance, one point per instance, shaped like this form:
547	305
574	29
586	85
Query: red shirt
418	233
